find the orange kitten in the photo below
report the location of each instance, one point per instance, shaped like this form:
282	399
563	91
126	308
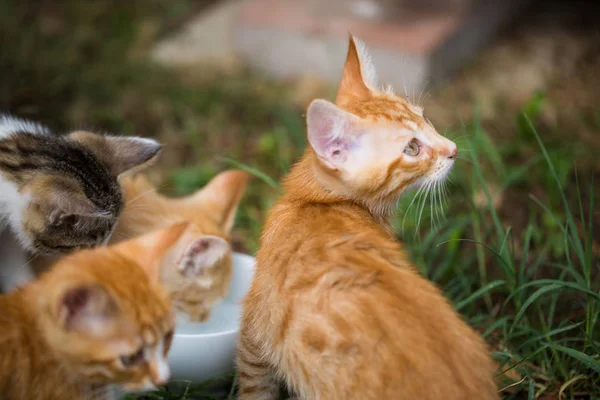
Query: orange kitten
336	310
98	318
196	273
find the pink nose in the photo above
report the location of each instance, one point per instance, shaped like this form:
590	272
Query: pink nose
453	151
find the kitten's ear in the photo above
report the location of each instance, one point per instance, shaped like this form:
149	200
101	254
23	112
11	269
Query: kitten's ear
149	249
331	132
86	308
120	154
221	197
202	253
359	78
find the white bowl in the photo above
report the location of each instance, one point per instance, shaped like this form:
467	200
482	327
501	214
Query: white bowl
203	351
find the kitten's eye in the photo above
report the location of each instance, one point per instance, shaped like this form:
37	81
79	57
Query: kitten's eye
413	148
131	360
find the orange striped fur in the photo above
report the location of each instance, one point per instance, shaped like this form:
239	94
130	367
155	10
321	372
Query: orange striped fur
97	319
336	310
197	271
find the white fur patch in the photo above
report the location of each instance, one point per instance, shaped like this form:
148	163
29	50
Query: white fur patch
163	371
205	282
10	125
423	139
12	206
13	203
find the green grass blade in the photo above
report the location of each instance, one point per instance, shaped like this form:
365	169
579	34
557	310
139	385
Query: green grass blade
530	301
256	172
531	390
570	220
559	283
500	322
507	268
553	332
582	357
479	293
486	192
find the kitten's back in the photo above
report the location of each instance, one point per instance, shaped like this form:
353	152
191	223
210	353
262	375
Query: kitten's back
350	318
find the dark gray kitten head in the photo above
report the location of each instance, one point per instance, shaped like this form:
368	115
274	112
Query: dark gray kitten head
68	193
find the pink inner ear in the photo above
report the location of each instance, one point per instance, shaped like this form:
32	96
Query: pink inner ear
74	302
86	309
330	131
202	254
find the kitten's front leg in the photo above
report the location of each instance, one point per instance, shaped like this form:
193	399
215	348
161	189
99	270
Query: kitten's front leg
255	376
15	270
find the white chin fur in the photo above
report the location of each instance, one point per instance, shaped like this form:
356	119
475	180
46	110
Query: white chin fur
442	170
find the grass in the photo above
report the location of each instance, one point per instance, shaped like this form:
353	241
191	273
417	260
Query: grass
515	250
537	307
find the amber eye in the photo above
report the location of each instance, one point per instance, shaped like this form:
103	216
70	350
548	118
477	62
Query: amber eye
131	360
413	148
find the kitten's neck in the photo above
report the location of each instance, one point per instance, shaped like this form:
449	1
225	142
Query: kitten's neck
306	183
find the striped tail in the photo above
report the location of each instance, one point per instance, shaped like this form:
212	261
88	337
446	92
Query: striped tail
256	380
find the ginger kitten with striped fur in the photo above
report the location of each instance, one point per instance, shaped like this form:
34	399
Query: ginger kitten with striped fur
96	321
196	272
336	309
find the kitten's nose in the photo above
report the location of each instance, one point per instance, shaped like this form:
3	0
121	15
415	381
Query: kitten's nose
160	373
159	382
453	151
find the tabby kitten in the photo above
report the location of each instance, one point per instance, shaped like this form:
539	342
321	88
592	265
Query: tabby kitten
336	309
98	318
59	193
197	271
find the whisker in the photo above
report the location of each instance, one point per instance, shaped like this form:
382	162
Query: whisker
423	98
403	77
409	206
465	159
426	194
431	207
29	260
141	195
446	193
440	203
437	202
